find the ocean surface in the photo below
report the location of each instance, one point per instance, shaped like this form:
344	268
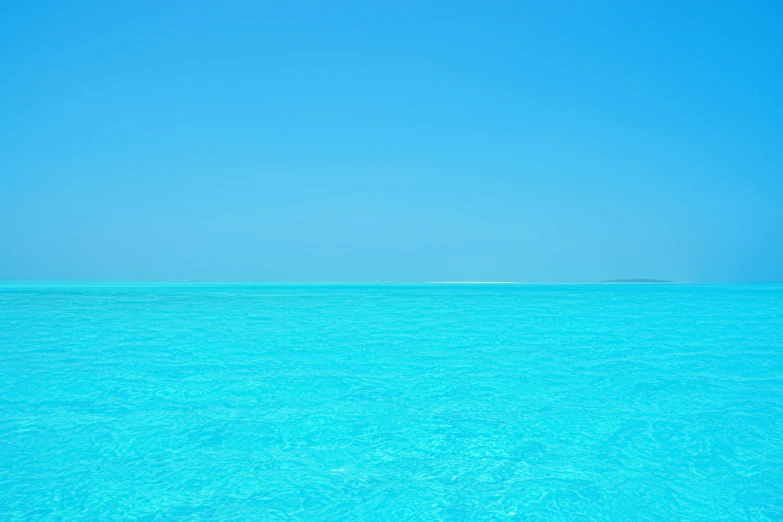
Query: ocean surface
391	402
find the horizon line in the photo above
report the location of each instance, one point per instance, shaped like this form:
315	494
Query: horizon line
363	282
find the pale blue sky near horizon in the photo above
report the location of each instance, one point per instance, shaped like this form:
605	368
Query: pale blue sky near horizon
406	141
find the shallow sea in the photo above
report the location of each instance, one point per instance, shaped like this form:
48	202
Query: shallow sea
391	402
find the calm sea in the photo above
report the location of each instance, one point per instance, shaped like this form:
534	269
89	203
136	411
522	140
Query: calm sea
391	402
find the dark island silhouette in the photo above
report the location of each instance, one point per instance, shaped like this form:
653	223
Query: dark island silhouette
636	281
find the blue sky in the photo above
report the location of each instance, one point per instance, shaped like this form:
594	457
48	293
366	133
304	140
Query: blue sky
409	141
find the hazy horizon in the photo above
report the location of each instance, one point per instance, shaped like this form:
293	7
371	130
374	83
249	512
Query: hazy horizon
228	282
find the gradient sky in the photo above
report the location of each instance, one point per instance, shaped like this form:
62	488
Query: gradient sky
409	141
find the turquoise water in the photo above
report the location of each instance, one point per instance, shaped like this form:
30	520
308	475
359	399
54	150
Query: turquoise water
391	402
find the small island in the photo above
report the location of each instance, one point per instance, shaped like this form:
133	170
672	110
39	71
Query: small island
636	281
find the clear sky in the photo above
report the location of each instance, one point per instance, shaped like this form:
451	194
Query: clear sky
409	141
